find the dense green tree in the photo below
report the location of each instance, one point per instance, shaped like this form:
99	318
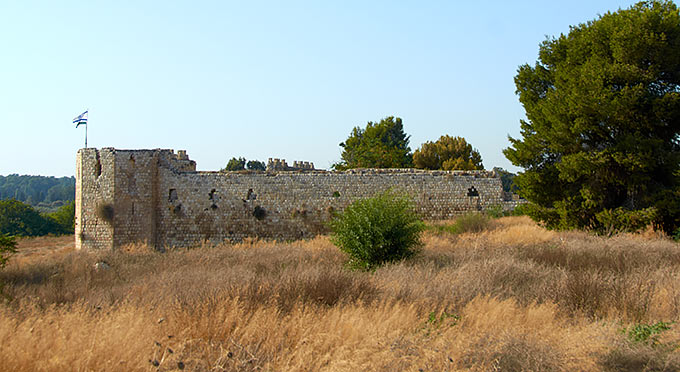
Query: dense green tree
65	217
256	165
380	145
17	218
601	143
507	179
447	153
235	164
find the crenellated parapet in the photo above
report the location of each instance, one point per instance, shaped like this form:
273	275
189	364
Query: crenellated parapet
274	165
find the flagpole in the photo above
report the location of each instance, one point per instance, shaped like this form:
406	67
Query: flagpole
82	119
88	117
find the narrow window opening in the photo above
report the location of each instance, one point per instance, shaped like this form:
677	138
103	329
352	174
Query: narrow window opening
251	195
214	198
98	166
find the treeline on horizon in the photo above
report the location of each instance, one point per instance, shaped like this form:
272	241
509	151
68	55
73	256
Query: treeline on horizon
46	194
37	205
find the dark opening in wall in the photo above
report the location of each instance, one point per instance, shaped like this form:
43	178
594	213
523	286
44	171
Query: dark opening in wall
472	191
105	212
336	194
172	195
251	195
213	198
259	213
132	161
98	166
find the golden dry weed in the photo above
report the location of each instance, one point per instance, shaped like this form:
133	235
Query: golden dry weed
512	298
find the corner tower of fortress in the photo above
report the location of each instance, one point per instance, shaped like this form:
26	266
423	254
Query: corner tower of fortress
157	197
117	195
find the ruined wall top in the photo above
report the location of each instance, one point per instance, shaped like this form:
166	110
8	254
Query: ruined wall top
281	165
180	162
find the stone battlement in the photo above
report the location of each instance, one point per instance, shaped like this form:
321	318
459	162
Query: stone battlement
158	197
274	165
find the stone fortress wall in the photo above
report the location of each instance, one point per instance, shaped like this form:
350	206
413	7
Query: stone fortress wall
157	197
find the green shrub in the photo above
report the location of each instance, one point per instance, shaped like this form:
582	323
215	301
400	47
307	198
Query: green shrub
611	221
470	223
377	230
65	217
647	333
7	247
519	210
495	211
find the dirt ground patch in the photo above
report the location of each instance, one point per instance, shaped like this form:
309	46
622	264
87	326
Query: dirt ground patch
29	249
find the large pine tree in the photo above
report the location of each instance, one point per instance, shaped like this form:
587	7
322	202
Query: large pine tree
601	146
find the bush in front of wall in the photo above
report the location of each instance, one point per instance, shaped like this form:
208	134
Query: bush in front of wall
377	230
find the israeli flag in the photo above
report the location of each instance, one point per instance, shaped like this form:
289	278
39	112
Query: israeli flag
80	119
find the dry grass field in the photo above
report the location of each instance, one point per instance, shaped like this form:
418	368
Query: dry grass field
513	297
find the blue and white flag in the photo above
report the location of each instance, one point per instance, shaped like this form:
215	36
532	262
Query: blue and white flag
80	119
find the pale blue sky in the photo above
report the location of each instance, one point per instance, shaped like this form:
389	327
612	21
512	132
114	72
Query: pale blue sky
263	79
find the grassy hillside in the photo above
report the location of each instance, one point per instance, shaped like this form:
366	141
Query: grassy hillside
513	297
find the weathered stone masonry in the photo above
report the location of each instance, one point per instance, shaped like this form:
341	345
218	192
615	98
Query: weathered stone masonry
158	197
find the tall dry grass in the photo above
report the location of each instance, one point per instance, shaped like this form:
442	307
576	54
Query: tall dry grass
514	297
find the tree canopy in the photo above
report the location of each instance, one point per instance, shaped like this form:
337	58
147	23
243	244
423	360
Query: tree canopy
507	180
17	218
65	217
601	143
256	165
447	153
380	145
238	164
235	164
